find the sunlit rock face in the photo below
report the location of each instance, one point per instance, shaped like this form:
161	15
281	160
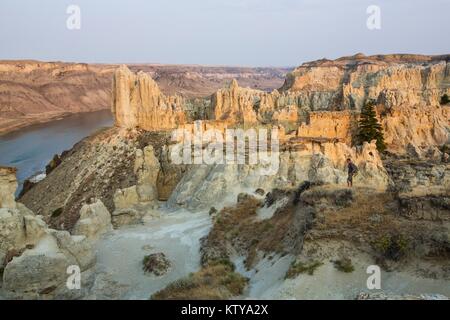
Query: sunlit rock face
33	257
138	102
407	89
8	185
392	80
320	99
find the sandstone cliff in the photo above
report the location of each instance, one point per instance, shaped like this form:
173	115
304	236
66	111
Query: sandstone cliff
138	102
32	91
392	80
323	99
35	91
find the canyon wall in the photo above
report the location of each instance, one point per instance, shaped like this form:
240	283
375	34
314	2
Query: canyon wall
33	92
391	80
319	99
204	186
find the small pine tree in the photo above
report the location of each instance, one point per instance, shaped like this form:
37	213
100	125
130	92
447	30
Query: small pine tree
445	99
369	128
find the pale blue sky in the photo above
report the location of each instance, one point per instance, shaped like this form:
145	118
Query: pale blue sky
220	32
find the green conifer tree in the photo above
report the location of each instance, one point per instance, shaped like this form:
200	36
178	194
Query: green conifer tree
445	99
369	128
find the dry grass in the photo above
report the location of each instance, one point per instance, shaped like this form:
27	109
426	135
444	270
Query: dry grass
238	227
373	224
297	268
357	217
216	281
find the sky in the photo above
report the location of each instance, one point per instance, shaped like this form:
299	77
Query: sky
219	32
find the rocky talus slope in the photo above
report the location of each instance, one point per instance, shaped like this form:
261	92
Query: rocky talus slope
287	222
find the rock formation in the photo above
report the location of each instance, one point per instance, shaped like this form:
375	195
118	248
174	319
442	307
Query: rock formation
8	185
392	80
138	102
244	105
407	89
132	203
34	259
95	220
35	91
338	125
207	185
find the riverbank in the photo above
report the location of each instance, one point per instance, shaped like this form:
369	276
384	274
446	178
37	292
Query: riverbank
31	148
34	92
13	125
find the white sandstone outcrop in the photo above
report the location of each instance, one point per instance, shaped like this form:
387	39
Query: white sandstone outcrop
95	220
35	258
134	202
146	168
204	186
8	185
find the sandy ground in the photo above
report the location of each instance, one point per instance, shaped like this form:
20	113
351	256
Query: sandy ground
120	254
177	234
119	273
329	283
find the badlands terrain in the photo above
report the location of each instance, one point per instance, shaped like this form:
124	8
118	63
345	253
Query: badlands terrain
34	92
138	225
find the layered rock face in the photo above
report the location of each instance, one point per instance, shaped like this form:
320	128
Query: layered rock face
244	105
421	129
407	89
321	99
330	124
34	259
138	102
132	203
8	185
392	80
204	186
33	91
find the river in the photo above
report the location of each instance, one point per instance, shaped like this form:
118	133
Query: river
31	148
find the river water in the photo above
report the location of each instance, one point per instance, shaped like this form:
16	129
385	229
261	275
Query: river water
31	148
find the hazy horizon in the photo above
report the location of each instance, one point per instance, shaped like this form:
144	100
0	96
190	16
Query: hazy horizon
247	33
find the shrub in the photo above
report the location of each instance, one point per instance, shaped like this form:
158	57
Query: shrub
302	267
392	247
344	265
216	280
156	263
56	213
445	99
